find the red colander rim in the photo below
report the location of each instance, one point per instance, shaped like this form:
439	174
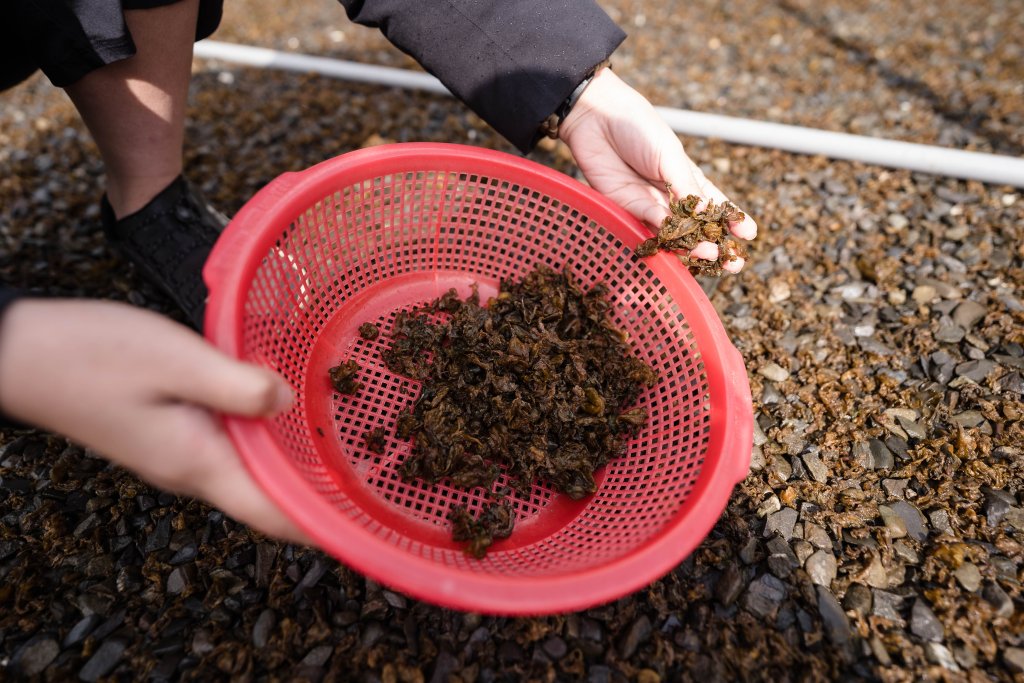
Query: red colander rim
253	233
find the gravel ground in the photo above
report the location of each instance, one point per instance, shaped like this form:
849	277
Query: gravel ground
879	535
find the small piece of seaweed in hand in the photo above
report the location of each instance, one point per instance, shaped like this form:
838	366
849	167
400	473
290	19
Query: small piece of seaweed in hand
343	377
684	228
495	521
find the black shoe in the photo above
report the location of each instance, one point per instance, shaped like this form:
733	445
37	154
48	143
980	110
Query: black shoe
169	240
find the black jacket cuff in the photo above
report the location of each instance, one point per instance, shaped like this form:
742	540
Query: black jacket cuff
8	297
513	62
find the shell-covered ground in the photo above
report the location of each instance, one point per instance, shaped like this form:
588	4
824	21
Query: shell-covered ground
880	533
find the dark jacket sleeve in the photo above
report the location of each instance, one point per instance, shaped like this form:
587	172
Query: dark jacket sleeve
7	297
513	62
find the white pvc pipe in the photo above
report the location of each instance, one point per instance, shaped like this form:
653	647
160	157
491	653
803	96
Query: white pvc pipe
289	61
990	168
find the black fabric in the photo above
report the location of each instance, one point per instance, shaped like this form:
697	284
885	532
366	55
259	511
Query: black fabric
69	38
169	240
513	62
7	297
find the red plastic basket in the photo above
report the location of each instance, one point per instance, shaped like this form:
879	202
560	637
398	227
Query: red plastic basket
364	235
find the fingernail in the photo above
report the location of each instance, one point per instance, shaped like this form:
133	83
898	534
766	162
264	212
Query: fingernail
705	250
734	266
745	229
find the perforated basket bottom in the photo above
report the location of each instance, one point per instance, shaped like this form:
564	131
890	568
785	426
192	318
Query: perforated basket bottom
371	249
347	418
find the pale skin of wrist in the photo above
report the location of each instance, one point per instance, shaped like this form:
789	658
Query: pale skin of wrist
629	154
144	392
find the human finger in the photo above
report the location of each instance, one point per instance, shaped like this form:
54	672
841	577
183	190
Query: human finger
639	198
229	487
184	449
705	250
204	375
687	178
682	175
733	262
745	229
734	265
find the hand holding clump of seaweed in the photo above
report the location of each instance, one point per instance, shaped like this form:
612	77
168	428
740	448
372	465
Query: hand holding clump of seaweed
686	227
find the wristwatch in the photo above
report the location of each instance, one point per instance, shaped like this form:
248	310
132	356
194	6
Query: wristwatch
553	122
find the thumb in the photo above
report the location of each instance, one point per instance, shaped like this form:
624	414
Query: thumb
686	178
248	390
216	381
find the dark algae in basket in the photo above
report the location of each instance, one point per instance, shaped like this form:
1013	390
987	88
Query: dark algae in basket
685	227
369	331
495	521
539	383
343	377
374	440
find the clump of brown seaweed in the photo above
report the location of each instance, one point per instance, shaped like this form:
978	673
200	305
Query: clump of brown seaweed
686	227
539	384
